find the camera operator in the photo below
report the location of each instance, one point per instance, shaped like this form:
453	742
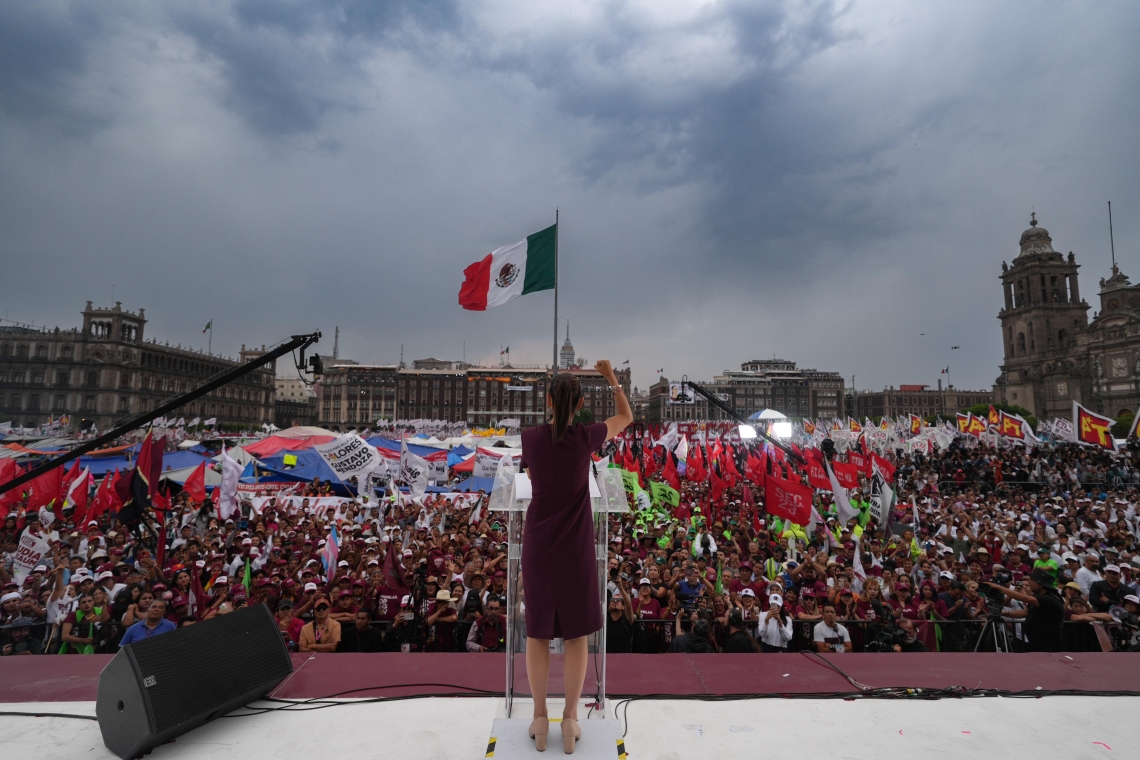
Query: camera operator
910	642
1045	612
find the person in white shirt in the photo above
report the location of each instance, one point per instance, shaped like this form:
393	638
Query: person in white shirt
775	630
1090	573
829	635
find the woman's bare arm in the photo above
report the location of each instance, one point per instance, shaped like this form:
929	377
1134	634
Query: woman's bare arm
624	416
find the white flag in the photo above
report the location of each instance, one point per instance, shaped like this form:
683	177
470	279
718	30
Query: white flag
349	456
211	421
227	491
487	461
31	550
413	471
195	421
858	564
682	450
842	506
669	439
79	488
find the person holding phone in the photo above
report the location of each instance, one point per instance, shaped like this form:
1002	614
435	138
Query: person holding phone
560	577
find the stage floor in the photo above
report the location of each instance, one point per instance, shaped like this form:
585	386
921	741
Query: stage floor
449	727
444	728
76	679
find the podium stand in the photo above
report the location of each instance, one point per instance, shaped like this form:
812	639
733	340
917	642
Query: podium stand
607	495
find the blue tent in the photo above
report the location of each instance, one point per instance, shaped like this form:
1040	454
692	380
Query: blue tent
100	466
473	484
457	455
387	443
309	465
177	460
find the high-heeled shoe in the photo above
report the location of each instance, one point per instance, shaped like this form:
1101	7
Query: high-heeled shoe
569	738
538	730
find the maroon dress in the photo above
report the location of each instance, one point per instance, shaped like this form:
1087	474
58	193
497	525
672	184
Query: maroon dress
559	567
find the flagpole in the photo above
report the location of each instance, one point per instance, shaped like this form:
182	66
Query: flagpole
555	364
210	342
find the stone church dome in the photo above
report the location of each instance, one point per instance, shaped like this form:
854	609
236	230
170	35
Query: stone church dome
1036	239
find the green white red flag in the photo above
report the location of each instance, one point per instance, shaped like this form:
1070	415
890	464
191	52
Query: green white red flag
514	270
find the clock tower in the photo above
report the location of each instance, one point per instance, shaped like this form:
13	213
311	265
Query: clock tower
1044	370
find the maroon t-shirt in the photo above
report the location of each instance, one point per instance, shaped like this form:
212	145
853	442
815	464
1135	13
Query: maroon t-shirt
650	610
387	603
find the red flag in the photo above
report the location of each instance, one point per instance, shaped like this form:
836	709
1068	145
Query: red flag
195	485
69	477
717	483
846	474
650	462
628	462
670	473
77	494
884	466
730	459
694	467
1091	428
746	494
1010	426
393	576
817	476
108	497
45	488
9	470
787	499
156	453
861	461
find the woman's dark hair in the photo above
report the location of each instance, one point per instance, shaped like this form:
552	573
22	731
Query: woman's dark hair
736	619
565	393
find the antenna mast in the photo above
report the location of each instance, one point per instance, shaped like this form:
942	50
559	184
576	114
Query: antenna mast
1111	243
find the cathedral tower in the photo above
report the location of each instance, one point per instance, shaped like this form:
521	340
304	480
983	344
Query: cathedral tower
1043	370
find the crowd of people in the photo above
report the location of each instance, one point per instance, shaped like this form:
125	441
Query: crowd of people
986	547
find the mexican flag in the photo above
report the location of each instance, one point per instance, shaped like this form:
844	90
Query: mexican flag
511	271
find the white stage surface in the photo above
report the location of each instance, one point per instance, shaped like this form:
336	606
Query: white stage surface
459	728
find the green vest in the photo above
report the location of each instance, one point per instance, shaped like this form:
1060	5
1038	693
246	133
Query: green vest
81	648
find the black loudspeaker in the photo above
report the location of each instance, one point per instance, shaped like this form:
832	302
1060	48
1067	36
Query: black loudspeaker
159	688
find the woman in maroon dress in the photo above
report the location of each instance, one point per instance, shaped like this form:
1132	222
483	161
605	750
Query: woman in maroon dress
559	569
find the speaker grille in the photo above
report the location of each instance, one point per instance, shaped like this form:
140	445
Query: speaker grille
195	669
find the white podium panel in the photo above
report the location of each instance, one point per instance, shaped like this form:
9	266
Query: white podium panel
607	494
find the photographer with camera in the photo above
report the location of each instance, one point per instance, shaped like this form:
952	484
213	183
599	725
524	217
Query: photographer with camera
1045	613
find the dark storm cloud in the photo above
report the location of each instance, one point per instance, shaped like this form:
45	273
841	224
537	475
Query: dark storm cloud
43	49
820	180
283	73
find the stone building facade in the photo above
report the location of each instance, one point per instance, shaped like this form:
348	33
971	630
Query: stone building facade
759	384
1053	354
106	370
921	400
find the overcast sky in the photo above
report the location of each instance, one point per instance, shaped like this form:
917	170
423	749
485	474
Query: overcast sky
823	182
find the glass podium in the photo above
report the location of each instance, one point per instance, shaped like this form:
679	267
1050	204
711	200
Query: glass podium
512	495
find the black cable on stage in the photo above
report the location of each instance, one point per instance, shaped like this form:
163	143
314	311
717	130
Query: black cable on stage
47	715
319	703
894	692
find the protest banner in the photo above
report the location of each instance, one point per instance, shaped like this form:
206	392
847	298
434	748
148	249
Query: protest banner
29	553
